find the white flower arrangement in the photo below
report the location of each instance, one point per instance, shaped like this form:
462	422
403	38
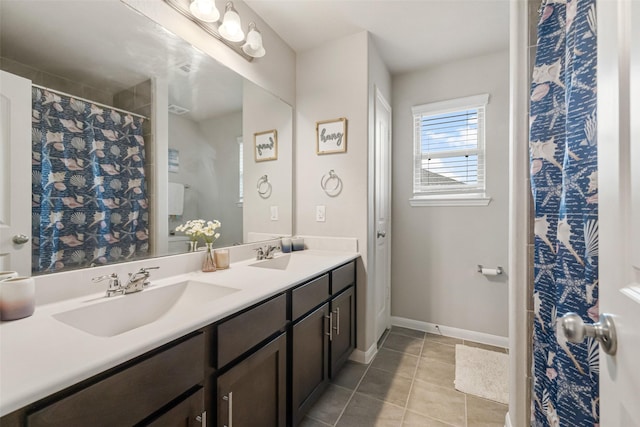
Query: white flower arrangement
199	228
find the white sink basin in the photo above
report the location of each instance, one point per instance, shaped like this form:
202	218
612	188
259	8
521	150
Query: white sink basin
120	314
279	263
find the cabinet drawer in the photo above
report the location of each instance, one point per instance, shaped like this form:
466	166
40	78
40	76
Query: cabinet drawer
240	333
309	296
131	395
343	277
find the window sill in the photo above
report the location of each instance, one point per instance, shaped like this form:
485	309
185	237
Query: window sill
451	200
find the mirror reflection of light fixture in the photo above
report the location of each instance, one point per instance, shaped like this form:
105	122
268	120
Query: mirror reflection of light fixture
231	27
204	10
253	47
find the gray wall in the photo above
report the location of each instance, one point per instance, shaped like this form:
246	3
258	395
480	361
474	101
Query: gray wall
436	249
332	82
222	132
262	111
205	149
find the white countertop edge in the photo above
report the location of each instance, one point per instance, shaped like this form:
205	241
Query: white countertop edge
74	356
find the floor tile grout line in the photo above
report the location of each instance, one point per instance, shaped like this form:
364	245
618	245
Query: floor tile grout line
353	392
413	379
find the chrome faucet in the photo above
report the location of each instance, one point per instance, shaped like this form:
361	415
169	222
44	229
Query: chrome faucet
270	251
265	252
114	287
137	281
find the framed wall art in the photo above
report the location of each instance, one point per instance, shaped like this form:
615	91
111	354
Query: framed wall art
266	145
331	136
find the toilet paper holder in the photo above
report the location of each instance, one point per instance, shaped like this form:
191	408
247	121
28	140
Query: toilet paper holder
490	271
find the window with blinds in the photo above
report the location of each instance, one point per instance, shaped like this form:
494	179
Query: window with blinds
449	156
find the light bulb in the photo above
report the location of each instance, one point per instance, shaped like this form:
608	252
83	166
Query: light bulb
231	28
204	10
253	47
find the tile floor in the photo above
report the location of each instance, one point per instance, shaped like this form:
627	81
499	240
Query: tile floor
408	383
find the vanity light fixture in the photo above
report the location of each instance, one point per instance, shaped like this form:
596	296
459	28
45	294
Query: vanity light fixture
253	47
204	10
227	29
231	27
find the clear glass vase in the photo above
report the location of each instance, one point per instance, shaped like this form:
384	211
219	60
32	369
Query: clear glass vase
208	265
193	245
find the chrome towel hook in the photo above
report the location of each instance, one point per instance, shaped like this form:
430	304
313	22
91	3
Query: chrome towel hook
331	183
264	187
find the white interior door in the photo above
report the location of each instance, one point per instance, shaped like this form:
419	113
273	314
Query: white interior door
15	173
382	214
619	205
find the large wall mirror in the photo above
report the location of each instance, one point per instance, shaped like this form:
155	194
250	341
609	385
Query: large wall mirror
135	132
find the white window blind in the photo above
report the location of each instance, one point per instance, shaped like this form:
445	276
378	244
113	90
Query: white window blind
449	156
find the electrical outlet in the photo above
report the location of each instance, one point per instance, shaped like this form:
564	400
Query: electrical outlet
321	212
274	213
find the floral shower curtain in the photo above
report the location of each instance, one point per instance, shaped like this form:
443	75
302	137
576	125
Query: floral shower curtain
89	193
565	191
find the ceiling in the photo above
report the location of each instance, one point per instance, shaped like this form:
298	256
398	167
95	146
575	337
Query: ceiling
409	34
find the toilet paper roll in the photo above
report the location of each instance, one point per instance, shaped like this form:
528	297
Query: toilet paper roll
490	271
17	298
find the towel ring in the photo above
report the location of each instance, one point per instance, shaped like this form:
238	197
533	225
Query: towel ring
331	190
264	187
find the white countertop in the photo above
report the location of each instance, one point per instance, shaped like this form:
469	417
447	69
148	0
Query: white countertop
40	355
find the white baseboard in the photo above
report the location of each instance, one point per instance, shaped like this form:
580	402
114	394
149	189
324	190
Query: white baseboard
448	331
507	420
364	356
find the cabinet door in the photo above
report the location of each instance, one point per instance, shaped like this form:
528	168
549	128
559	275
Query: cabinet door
344	329
253	393
132	394
310	361
188	413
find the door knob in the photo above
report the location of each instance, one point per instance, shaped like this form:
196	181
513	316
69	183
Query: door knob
20	239
604	331
381	234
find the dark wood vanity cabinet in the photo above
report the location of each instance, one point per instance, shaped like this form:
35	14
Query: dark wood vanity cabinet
309	361
263	366
188	412
163	387
251	358
253	392
343	337
322	339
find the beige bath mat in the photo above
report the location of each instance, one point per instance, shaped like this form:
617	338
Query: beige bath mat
483	373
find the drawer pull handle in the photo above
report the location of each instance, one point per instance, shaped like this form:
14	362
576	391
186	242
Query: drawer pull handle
229	398
330	333
202	418
337	327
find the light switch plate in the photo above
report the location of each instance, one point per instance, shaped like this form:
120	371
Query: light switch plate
321	212
274	213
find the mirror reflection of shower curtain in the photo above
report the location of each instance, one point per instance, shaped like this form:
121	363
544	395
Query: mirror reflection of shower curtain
564	181
90	203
